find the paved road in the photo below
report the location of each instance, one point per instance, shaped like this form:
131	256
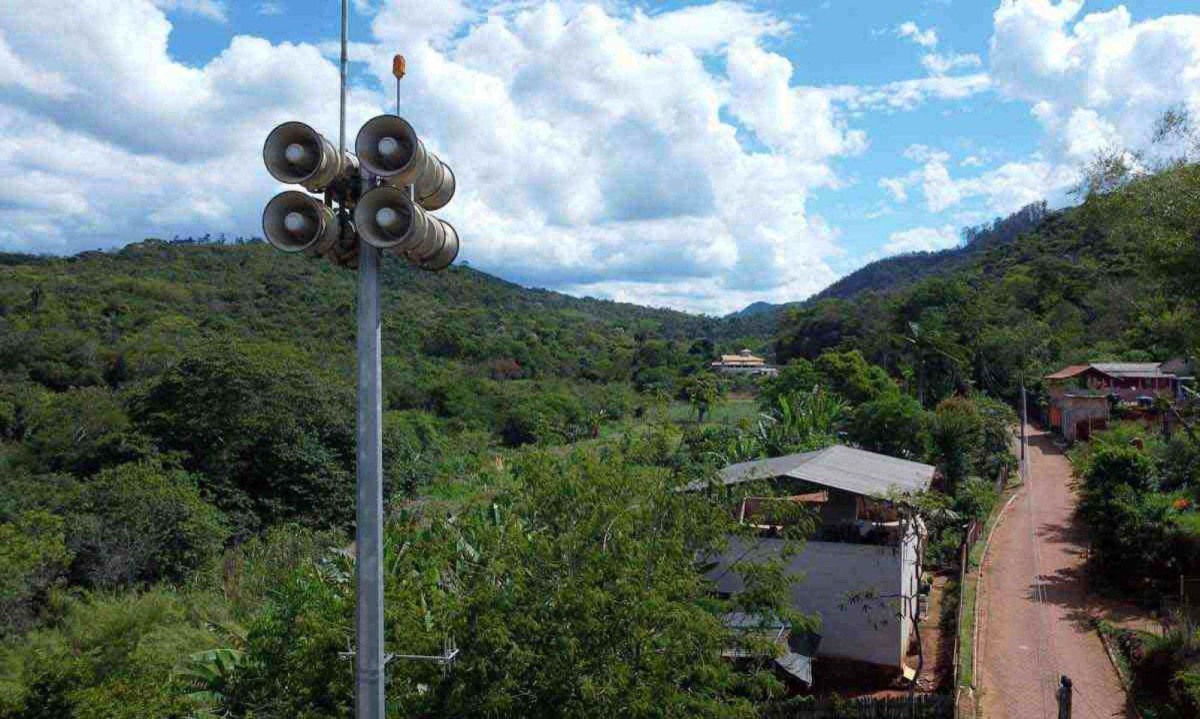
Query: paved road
1034	624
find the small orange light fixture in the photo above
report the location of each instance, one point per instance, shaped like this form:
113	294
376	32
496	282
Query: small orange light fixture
398	66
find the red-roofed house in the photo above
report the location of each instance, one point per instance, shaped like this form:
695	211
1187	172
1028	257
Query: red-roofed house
1080	395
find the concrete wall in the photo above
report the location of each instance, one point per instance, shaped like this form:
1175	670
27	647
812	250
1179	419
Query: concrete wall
828	573
1081	409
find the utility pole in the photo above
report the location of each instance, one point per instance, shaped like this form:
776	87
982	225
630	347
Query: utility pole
390	184
1024	418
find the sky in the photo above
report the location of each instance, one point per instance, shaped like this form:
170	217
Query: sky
694	155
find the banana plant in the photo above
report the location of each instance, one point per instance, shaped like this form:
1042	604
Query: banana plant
205	676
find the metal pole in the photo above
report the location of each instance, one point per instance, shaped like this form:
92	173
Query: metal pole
1024	419
368	697
368	653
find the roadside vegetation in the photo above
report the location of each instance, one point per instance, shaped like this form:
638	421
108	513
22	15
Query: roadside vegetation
1140	494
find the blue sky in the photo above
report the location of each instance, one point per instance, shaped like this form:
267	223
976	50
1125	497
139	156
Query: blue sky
699	155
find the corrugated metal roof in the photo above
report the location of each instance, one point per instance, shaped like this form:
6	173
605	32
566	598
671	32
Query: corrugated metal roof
846	468
763	468
1131	369
1114	369
862	472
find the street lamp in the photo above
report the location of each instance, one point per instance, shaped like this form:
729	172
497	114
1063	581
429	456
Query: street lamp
389	189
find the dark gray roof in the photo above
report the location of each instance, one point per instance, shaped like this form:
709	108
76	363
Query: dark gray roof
853	470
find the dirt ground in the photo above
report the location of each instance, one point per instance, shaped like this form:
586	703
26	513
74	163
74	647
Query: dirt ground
1035	619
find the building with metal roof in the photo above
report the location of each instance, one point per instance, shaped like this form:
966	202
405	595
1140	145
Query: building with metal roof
857	471
1080	395
861	546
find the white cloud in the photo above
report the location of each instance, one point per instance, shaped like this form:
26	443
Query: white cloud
1085	133
595	151
271	7
941	64
1004	189
925	38
211	9
704	28
925	153
922	239
1096	79
1001	190
910	94
15	72
897	187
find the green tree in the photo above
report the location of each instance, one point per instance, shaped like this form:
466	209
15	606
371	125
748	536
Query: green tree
801	423
702	390
796	377
33	559
852	377
529	586
78	431
141	523
893	424
269	434
956	431
110	657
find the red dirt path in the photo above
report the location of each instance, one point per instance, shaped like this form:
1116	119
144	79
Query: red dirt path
1034	619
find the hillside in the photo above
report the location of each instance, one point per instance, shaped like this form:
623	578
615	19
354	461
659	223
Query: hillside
1110	278
113	306
897	272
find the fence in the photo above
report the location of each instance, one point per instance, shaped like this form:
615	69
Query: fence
921	706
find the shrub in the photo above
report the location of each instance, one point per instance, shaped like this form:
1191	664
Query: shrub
111	658
270	435
33	558
141	523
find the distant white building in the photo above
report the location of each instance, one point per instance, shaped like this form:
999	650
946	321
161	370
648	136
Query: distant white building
861	548
744	362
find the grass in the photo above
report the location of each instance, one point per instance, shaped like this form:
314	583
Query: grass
970	588
966	630
1109	633
729	411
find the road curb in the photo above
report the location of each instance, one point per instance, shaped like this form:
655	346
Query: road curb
987	544
1126	681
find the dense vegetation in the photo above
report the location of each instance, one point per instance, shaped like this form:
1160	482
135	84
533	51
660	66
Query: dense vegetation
1140	498
1110	279
177	463
176	468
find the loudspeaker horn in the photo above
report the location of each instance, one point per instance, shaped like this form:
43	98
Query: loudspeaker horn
387	218
296	222
299	155
389	147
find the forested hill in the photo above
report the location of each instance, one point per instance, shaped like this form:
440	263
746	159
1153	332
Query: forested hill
1112	278
77	321
899	271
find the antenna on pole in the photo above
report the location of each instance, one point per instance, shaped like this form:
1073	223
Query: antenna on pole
342	74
